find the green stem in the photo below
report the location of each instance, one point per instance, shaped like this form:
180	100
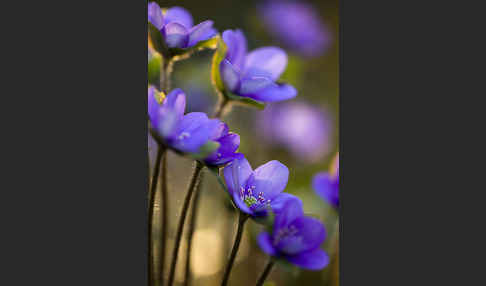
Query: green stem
192	227
180	227
153	188
241	223
265	273
165	83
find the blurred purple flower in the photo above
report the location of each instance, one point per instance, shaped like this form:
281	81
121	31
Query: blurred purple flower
254	74
326	184
302	128
176	26
255	191
297	25
296	238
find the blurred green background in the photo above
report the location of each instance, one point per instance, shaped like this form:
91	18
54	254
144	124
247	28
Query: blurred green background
317	82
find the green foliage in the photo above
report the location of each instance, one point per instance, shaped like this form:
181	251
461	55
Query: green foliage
218	57
154	67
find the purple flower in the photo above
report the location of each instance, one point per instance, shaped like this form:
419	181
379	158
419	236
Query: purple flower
296	238
176	26
298	126
297	25
255	191
254	74
326	185
228	144
185	133
188	133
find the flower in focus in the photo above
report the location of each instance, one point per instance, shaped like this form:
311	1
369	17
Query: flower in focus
297	25
295	238
254	74
185	133
326	185
302	128
255	191
176	26
228	144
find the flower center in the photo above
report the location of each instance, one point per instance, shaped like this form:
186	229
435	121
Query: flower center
184	135
247	196
284	232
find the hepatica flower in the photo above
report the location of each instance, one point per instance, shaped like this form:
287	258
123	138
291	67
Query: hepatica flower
254	191
296	238
176	26
326	184
191	132
310	139
254	74
297	25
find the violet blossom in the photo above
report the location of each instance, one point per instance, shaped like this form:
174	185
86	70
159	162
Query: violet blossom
297	25
254	192
326	184
189	133
300	127
176	26
296	238
254	74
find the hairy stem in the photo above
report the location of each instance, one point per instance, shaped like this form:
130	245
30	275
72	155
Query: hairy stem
265	273
163	221
165	82
192	227
218	112
153	188
180	227
241	223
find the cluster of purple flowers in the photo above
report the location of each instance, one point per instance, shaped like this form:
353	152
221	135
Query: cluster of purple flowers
257	193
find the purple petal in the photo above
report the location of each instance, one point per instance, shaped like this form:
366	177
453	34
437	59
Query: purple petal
178	15
237	47
155	15
270	60
176	35
236	174
153	106
315	259
290	210
230	75
327	188
269	179
310	234
221	131
253	85
265	242
275	92
176	100
280	201
192	132
226	152
201	32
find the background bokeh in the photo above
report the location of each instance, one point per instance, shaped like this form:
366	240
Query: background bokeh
301	133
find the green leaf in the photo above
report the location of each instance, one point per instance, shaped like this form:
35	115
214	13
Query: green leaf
206	150
245	101
270	283
218	56
154	67
157	40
